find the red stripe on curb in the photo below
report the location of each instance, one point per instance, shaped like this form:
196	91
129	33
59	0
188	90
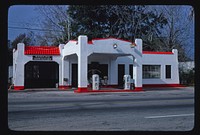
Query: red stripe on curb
138	89
18	87
81	89
85	90
64	87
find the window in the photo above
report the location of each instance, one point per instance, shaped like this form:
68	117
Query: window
151	71
168	71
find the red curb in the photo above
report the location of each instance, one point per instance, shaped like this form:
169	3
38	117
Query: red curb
62	87
18	87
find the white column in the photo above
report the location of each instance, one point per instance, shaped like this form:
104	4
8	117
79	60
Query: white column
19	72
60	73
175	68
126	68
137	74
63	84
113	72
65	74
14	63
137	66
82	64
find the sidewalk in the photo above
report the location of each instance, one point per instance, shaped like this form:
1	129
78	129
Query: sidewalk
101	90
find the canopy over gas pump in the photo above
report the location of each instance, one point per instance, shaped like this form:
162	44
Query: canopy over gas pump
127	82
95	82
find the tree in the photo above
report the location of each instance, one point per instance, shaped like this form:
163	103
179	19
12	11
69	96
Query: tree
22	38
28	39
162	28
177	33
120	21
55	23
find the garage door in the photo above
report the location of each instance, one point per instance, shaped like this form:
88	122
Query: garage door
41	74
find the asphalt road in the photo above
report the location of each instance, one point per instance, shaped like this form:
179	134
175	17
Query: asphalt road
160	110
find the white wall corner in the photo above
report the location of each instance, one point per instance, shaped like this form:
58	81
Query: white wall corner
20	46
61	47
175	51
138	43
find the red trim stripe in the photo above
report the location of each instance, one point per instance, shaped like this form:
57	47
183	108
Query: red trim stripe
18	87
64	87
138	89
151	52
90	42
81	89
73	40
41	50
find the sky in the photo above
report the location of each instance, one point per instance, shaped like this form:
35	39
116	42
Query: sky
23	17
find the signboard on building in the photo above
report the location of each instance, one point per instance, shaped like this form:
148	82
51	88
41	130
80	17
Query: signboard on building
42	57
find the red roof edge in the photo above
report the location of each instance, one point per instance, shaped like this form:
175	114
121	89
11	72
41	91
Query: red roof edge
41	50
73	40
151	52
90	42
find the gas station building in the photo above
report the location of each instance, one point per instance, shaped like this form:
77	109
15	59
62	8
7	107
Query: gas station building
111	60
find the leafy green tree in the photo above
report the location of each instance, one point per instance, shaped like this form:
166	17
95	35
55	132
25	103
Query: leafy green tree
162	28
120	21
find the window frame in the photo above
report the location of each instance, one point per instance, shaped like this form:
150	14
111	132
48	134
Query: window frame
151	71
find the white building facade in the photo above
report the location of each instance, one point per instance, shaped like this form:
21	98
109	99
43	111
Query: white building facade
74	63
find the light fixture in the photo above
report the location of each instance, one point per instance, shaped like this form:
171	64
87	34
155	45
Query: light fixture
115	46
132	45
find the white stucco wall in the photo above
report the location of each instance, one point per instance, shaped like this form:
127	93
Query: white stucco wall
163	60
19	61
101	51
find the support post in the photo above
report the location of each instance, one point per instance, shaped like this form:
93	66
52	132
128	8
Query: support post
137	75
65	74
137	65
82	64
19	68
113	72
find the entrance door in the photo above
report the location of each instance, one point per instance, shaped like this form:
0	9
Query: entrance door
41	74
74	75
121	72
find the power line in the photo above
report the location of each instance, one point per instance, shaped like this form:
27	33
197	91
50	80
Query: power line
25	23
13	27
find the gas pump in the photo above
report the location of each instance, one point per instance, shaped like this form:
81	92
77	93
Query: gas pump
95	82
127	82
